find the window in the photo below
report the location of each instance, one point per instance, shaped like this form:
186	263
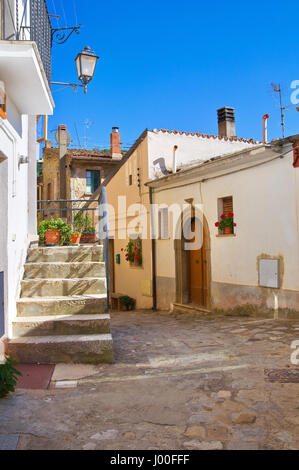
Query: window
163	222
225	207
93	180
134	251
130	180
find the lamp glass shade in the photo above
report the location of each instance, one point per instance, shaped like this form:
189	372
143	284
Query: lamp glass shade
86	63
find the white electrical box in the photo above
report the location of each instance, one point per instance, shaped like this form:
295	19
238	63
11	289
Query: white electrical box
269	273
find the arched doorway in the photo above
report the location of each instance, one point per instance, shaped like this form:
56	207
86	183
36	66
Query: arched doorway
193	267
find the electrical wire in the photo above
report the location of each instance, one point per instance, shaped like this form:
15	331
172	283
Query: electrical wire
75	11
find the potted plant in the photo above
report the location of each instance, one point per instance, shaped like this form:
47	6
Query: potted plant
53	232
75	238
127	303
89	235
226	223
83	224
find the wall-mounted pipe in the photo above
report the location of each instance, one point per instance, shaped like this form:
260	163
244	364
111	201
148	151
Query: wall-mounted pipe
45	137
265	128
174	162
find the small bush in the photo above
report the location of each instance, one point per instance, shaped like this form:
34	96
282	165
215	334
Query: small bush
8	377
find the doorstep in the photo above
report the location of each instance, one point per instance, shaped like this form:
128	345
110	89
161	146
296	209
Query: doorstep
190	308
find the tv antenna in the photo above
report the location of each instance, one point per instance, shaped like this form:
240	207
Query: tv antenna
87	125
277	89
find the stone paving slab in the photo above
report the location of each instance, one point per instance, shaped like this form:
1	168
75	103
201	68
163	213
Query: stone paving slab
8	441
179	381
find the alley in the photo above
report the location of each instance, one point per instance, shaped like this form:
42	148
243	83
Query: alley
178	382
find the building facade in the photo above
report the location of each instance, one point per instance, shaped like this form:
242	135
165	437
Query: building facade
76	173
155	154
25	60
256	267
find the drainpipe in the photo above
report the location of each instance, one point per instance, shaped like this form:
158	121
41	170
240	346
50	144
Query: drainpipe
174	159
265	128
154	277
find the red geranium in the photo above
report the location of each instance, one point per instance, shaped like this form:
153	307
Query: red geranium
136	257
217	224
230	214
222	216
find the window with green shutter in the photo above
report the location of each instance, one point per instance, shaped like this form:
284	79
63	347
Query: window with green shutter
93	180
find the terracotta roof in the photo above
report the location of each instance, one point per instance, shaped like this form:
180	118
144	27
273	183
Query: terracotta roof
205	136
95	158
89	153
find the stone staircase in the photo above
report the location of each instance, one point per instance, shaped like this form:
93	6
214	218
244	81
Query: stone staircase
61	309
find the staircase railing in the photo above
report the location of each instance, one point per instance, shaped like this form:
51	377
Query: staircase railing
81	214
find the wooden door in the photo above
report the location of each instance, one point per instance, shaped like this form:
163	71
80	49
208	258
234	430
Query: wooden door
198	274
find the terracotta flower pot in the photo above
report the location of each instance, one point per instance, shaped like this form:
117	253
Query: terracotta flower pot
227	230
75	239
52	237
88	237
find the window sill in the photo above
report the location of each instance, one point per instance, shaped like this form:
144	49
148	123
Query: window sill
133	265
221	235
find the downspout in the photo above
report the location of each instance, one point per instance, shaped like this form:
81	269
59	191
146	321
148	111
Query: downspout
154	268
174	159
265	128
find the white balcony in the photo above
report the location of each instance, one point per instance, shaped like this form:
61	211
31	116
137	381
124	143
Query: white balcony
22	72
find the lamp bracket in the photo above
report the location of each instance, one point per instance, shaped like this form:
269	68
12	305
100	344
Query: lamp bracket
61	35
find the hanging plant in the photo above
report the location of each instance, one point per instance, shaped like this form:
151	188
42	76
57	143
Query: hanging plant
226	223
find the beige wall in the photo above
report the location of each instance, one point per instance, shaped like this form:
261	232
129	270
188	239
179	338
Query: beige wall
130	280
266	208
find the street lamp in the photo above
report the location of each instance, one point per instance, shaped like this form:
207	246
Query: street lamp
86	63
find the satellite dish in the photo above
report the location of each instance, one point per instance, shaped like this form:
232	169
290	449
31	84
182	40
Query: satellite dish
68	138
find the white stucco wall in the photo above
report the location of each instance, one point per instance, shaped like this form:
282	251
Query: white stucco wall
191	148
18	204
266	208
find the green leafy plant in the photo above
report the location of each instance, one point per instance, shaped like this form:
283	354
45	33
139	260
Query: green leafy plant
226	220
53	224
127	302
83	223
8	377
75	233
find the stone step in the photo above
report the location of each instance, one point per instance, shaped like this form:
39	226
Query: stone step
61	325
189	308
65	254
59	269
60	305
84	349
64	287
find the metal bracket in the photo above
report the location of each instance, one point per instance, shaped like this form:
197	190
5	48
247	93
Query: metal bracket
61	35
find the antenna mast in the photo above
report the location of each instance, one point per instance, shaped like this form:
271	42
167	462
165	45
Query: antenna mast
282	108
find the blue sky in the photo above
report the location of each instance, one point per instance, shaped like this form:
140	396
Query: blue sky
170	64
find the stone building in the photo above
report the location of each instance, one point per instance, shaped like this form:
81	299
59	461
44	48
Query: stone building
76	173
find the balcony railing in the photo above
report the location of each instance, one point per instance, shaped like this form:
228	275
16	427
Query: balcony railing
28	20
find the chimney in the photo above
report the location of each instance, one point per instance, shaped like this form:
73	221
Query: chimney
115	144
63	139
226	122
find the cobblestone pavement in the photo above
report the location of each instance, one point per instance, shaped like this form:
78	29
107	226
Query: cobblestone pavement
179	382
